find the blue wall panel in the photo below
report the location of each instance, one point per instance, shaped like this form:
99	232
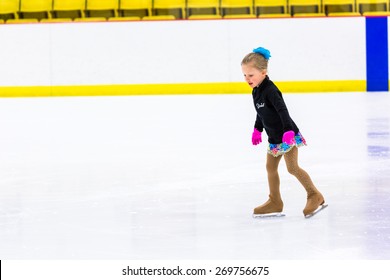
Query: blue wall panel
377	54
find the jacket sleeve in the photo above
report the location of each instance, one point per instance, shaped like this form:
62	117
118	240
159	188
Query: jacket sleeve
259	124
276	99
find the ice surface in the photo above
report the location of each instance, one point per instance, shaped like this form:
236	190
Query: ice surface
176	177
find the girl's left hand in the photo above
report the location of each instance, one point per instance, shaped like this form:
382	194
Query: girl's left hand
289	137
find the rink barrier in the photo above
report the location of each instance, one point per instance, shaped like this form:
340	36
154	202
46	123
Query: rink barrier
172	89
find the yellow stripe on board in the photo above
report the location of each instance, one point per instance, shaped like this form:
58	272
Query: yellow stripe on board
164	89
322	86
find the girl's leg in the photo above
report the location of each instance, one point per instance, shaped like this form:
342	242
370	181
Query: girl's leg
273	176
314	197
274	203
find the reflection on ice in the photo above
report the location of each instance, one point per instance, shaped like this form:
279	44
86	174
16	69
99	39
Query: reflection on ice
378	134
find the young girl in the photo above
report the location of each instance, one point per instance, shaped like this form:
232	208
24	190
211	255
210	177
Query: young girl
283	136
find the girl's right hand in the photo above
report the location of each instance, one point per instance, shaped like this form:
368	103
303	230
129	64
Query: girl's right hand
256	137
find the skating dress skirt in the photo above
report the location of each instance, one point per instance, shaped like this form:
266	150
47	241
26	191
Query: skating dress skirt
282	148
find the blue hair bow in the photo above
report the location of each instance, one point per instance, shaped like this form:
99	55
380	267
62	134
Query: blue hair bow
263	52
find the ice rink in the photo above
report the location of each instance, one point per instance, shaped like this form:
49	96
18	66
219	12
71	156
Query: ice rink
177	177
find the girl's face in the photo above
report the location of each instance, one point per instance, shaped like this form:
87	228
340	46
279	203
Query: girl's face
252	75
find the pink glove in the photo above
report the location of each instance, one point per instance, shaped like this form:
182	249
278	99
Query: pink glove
256	137
289	137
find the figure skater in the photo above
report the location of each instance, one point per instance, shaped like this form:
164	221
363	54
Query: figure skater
284	137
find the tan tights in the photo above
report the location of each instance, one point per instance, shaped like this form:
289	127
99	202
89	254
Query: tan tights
293	168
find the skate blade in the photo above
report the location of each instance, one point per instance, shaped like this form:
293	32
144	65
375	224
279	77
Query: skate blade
319	209
269	215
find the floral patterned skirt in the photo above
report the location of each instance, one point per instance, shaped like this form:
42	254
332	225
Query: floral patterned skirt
280	149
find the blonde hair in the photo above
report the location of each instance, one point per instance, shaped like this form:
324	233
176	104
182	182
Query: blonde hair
256	60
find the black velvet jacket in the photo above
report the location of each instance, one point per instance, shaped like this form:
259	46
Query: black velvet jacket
272	113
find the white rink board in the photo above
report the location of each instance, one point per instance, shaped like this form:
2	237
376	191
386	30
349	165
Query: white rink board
180	52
